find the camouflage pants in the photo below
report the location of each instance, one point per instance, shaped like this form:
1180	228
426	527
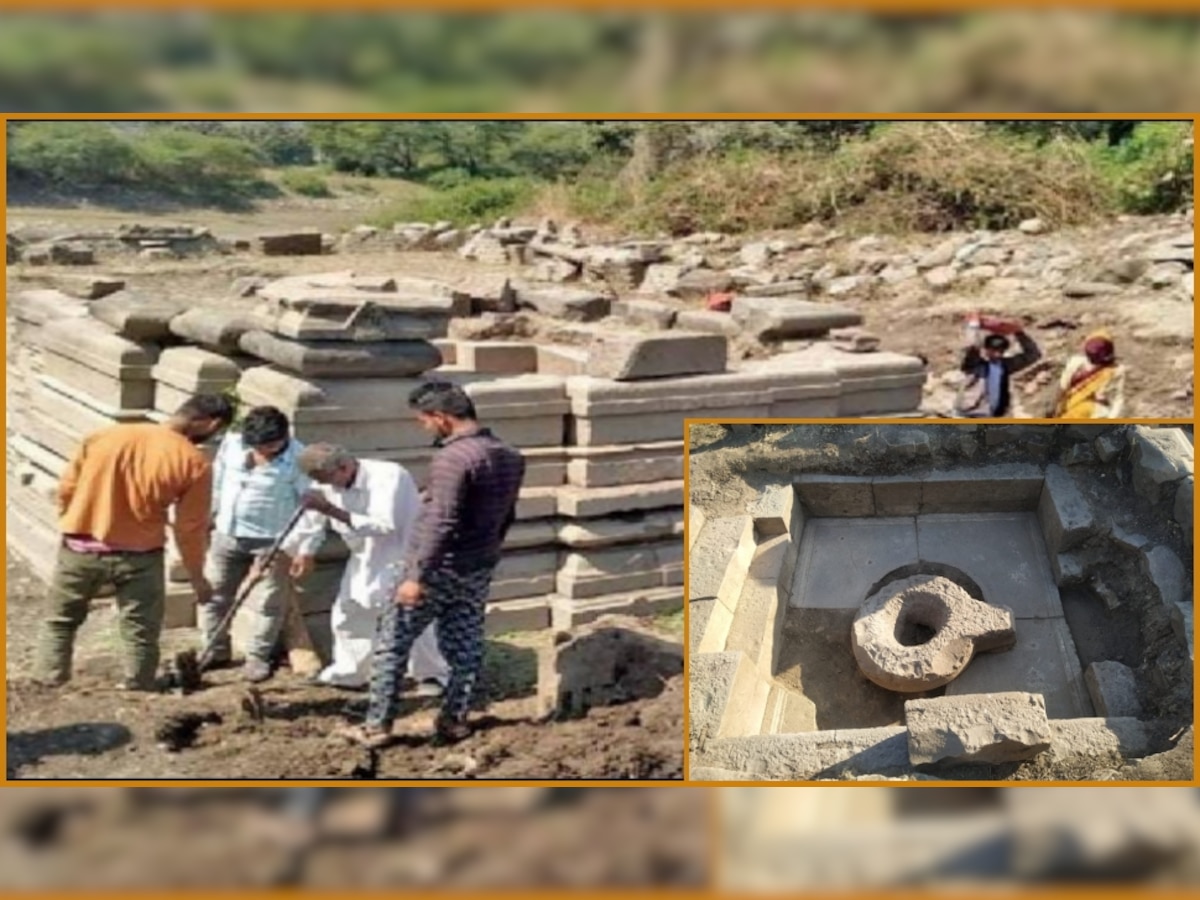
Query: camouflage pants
456	602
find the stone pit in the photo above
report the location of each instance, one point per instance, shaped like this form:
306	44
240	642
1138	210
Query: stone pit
952	601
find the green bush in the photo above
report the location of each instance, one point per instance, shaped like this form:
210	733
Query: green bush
72	155
1151	172
199	164
176	162
305	182
479	200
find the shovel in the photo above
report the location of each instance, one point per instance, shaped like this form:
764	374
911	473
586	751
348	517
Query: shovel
185	672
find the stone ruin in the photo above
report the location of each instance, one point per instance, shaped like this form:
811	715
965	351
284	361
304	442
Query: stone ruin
970	598
595	402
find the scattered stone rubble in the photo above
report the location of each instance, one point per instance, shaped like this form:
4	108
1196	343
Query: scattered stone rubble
1115	522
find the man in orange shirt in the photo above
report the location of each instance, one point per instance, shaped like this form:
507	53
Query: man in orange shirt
113	504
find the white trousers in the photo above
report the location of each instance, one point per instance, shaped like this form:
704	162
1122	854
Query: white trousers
354	632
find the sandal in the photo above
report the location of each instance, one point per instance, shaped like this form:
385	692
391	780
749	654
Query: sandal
372	737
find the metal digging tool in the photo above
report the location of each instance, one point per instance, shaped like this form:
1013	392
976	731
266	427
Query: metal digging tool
187	667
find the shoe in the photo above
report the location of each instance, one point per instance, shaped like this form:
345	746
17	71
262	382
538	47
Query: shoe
373	737
255	670
448	732
430	687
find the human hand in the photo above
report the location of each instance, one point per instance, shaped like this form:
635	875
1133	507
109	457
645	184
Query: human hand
316	501
203	590
408	594
301	566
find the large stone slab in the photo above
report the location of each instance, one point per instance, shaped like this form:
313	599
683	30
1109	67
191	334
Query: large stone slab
648	313
1113	689
621	569
624	464
726	697
351	316
571	304
530	574
218	329
585	534
632	357
707	322
835	495
561	360
710	555
773	511
590	502
196	370
137	316
343	359
999	488
1166	574
840	559
783	318
301	243
97	346
1004	553
1161	458
497	357
36	307
569	612
980	728
1066	516
810	755
1044	661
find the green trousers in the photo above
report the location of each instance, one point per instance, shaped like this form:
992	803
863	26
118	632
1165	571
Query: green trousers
140	583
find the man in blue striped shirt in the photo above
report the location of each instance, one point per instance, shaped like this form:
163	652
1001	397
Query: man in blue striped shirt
256	488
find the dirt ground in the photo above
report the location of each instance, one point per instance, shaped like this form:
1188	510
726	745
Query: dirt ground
89	730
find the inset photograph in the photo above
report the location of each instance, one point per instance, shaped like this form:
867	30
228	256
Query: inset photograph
940	602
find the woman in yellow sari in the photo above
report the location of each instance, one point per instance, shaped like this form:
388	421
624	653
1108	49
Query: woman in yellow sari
1092	384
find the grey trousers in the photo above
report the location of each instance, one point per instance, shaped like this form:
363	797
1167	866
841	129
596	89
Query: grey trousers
228	563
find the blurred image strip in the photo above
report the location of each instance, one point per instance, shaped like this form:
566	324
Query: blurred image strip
511	837
998	61
789	839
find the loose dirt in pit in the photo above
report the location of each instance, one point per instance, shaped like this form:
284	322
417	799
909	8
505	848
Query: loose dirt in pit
89	730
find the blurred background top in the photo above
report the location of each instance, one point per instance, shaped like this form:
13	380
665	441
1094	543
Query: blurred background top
584	62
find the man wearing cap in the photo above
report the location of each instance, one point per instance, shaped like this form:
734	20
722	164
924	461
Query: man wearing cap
987	389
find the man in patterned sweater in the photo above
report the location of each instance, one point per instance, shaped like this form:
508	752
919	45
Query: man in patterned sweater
467	508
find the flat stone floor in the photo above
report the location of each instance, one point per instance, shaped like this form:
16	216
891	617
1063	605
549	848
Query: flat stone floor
841	558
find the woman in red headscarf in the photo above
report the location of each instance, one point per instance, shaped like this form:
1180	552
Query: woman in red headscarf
1093	384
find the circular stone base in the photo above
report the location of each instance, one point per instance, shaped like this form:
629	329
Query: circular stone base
919	633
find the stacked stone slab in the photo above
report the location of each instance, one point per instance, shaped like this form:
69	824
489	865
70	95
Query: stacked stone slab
76	375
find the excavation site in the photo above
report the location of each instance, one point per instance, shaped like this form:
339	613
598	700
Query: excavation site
983	602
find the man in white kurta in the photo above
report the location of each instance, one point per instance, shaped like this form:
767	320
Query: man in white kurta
372	504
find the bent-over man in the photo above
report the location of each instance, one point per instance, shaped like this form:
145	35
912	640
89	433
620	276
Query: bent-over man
372	504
